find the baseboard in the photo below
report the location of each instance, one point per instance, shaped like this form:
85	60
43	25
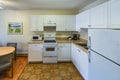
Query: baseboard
21	54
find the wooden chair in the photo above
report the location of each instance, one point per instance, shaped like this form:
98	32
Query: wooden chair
6	63
13	44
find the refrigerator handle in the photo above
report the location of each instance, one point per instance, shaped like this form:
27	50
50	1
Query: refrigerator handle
89	56
89	42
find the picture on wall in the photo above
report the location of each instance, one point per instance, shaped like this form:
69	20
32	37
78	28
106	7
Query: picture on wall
15	28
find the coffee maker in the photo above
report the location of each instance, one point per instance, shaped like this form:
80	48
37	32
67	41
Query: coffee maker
75	36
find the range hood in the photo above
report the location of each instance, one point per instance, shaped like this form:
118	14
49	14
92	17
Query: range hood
50	28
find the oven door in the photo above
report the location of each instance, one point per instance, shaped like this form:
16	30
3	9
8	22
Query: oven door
49	50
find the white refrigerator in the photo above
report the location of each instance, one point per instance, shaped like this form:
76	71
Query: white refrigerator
104	54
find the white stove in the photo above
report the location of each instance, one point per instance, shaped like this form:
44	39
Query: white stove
50	52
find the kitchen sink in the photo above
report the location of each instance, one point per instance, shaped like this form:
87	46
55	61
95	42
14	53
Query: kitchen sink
83	45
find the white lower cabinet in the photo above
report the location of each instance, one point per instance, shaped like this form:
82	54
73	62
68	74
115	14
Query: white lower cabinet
35	52
80	60
64	52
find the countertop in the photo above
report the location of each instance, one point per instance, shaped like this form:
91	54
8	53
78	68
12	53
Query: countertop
63	40
59	40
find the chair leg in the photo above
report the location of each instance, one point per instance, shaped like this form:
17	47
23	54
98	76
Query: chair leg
12	68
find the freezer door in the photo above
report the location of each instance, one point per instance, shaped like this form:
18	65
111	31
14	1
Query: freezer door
106	42
102	69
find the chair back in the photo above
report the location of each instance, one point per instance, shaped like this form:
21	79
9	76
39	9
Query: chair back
6	58
5	61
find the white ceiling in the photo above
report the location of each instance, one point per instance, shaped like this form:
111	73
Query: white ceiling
45	4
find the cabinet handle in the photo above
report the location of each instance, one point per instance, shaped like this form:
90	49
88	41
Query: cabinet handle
89	25
89	42
79	50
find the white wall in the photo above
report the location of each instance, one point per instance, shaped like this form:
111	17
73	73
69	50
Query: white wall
23	16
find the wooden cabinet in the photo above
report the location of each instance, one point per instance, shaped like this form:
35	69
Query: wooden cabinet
36	23
66	23
35	52
64	53
99	16
114	13
80	60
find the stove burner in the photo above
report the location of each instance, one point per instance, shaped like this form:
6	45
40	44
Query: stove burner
49	41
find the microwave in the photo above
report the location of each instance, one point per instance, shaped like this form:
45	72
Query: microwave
36	37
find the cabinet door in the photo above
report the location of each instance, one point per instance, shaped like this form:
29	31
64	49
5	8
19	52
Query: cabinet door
65	23
36	23
80	60
84	20
73	54
83	66
49	19
33	26
64	52
114	13
78	22
60	21
40	22
98	16
35	52
70	22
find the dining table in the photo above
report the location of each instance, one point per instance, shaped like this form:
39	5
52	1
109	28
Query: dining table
6	50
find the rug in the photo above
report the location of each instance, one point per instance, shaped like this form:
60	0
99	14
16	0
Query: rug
59	71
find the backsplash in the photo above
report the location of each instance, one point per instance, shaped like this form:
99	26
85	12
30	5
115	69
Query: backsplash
62	34
84	34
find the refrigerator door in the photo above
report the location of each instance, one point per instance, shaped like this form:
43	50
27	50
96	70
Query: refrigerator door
106	42
102	69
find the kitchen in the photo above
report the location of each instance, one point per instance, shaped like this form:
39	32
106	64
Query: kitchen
24	16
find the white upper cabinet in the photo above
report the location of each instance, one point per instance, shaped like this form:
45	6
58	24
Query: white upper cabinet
36	23
60	23
105	15
70	22
99	16
114	13
49	19
66	23
83	20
